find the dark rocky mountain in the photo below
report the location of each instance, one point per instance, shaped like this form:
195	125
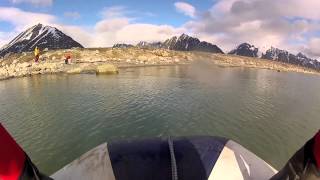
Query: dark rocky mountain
188	43
277	55
181	43
300	59
122	45
245	49
41	36
147	45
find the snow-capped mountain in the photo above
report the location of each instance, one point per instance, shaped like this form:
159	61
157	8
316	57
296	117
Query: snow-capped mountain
122	45
277	55
144	44
188	43
245	49
300	59
41	36
181	43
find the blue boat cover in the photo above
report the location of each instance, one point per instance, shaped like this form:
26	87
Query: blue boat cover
152	159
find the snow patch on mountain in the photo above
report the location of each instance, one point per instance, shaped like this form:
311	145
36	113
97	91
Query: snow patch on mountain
41	36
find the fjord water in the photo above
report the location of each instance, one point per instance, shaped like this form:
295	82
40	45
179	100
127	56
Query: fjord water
56	118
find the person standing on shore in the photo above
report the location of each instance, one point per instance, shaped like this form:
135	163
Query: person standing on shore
67	59
36	54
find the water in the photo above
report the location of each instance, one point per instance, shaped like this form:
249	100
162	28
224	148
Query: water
56	118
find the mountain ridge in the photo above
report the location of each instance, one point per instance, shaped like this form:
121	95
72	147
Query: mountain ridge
52	38
276	54
41	36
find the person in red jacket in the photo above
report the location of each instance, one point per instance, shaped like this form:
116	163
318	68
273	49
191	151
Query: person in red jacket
67	58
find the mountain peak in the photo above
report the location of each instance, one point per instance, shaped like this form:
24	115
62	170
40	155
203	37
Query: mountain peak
41	36
149	45
245	49
184	36
188	43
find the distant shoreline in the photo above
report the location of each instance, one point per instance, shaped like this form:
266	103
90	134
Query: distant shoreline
89	60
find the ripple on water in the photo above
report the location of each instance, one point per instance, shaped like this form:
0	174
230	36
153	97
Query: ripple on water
57	120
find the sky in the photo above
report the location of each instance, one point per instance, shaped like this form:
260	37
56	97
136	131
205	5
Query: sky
293	25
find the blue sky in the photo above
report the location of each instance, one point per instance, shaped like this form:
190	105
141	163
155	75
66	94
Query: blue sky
146	11
288	24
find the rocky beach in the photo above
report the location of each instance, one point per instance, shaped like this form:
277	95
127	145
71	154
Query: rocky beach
109	60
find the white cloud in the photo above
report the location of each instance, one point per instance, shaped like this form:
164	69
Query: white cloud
114	12
185	8
227	23
312	48
23	19
114	27
72	15
263	23
111	24
34	2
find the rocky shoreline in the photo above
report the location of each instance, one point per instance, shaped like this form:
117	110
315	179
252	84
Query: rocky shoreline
108	60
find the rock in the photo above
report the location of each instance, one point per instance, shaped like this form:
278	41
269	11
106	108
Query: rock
46	49
142	58
122	46
49	65
3	72
82	69
53	58
161	53
15	61
35	72
35	67
24	65
75	71
7	55
106	69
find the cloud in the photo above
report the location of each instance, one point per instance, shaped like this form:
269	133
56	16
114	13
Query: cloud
83	35
227	23
24	19
72	15
6	37
185	8
114	27
118	25
34	2
111	24
264	23
312	48
114	12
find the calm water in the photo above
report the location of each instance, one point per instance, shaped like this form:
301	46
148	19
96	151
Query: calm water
56	118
